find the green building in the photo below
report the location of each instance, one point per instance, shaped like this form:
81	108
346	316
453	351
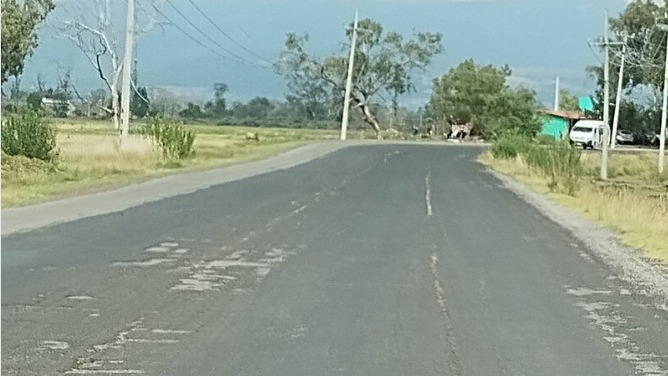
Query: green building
557	124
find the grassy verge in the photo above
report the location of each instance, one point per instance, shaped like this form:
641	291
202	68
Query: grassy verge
634	202
91	158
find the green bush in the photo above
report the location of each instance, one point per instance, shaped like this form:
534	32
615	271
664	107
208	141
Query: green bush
27	133
510	146
174	141
560	163
543	139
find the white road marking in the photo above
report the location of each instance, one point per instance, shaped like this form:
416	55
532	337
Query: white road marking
428	195
79	297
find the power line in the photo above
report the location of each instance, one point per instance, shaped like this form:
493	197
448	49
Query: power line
225	34
591	47
205	34
246	34
197	41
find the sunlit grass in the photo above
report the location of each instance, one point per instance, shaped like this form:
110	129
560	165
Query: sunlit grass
92	158
634	202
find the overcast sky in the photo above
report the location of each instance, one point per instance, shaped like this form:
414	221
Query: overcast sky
539	39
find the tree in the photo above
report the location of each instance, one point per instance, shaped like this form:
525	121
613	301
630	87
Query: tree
98	97
218	107
568	101
645	41
384	63
164	103
257	108
140	103
98	39
638	25
19	37
192	112
481	96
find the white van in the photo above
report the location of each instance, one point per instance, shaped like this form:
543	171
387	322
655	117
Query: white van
589	134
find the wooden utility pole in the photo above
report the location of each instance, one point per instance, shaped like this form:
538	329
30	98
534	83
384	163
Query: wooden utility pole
606	103
664	115
349	82
618	100
127	70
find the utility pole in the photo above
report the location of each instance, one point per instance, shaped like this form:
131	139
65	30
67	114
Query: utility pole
606	103
349	82
618	100
127	70
556	95
664	115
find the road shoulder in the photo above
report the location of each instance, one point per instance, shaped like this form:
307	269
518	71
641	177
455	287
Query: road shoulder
22	219
650	279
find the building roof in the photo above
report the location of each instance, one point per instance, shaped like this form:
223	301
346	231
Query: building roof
571	115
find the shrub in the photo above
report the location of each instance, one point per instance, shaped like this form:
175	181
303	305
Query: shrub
560	163
27	133
174	141
543	139
510	146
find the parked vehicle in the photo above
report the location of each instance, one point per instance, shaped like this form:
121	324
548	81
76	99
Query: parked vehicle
588	134
624	137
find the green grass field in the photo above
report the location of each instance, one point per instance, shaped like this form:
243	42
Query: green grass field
92	159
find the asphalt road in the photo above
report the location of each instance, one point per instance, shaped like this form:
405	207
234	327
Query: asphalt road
373	260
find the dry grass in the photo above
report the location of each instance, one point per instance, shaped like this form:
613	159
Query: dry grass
636	167
92	159
634	202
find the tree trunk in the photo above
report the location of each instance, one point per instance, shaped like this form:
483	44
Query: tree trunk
115	107
371	120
